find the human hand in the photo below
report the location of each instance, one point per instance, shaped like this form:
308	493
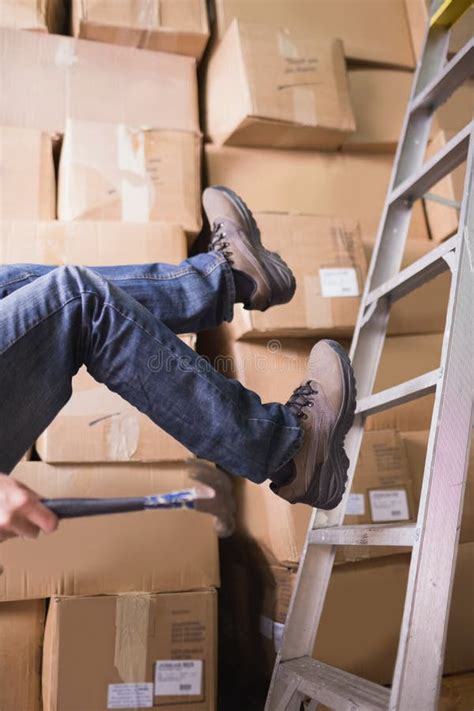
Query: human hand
21	511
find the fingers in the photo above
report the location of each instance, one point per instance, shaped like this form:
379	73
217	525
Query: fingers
4	536
21	511
20	526
42	517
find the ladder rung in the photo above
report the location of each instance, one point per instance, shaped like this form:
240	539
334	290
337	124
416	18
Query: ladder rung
399	394
365	535
415	275
453	75
335	688
443	162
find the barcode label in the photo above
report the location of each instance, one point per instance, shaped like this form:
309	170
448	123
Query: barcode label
338	281
178	677
389	505
355	505
130	696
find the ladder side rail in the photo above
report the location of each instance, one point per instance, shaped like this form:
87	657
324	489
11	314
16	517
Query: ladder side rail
434	554
317	561
307	602
410	150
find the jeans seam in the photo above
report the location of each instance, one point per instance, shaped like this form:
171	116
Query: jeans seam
229	296
165	277
13	281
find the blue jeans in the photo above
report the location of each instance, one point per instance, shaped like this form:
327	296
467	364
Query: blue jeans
121	322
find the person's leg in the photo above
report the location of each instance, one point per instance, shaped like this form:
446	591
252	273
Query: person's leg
195	295
71	316
200	292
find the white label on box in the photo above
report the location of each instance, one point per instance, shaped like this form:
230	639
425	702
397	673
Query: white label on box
266	626
178	677
130	696
338	281
389	505
355	505
278	629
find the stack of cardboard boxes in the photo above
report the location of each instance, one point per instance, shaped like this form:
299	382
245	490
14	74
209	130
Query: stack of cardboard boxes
304	105
100	150
100	164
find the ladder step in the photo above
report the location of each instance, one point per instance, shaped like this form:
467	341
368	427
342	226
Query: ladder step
365	535
415	275
453	75
337	689
443	162
399	394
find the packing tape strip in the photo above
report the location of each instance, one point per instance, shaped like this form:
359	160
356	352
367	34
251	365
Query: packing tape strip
299	83
148	19
132	628
134	189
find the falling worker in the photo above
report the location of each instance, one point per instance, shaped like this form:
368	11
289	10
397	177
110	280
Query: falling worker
122	323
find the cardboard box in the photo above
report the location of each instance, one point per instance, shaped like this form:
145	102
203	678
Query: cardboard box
365	602
461	31
271	368
21	639
327	258
423	310
97	425
280	88
110	172
403	358
91	81
160	551
90	243
415	445
457	693
347	185
417	16
27	181
166	26
457	111
40	16
382	492
443	220
371	32
379	100
131	651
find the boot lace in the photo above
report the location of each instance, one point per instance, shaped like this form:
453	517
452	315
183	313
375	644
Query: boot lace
219	242
302	397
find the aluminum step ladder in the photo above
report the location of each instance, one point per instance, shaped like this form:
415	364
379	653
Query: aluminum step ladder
297	677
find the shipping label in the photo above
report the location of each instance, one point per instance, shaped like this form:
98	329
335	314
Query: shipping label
355	505
130	696
338	281
389	505
178	677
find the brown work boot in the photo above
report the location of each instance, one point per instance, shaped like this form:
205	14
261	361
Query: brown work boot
325	404
266	278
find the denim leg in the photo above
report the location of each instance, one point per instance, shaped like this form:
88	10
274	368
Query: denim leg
72	316
195	295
